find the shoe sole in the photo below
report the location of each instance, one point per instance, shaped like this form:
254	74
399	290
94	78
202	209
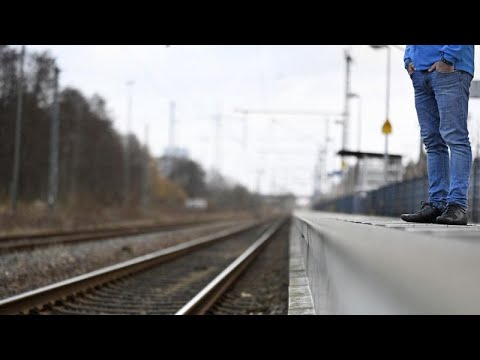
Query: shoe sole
420	222
451	223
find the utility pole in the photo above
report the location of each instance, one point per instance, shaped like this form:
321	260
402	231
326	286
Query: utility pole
387	127
346	113
387	115
346	117
18	137
146	172
126	190
54	144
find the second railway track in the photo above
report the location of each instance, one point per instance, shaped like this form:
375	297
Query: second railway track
184	279
31	241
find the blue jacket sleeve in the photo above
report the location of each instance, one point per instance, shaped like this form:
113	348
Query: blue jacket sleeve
451	53
407	58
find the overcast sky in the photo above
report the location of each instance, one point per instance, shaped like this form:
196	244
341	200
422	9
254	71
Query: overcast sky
280	151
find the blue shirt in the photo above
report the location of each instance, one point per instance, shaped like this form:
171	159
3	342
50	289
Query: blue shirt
424	56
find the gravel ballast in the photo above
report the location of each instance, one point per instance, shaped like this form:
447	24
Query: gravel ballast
28	270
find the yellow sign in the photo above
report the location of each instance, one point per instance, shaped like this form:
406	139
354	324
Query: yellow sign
387	128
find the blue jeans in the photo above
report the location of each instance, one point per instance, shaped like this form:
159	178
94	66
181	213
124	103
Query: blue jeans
441	100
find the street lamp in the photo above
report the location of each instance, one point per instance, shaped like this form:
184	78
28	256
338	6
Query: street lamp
387	126
359	133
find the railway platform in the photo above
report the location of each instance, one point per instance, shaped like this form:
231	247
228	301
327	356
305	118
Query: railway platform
353	264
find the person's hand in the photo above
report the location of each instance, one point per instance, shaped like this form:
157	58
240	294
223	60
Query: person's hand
440	66
410	68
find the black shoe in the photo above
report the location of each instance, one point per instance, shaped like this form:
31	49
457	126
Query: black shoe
428	214
453	215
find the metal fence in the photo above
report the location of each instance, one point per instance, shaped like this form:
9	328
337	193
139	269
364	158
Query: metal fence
397	198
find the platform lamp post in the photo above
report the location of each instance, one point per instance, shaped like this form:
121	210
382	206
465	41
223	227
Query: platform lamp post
387	127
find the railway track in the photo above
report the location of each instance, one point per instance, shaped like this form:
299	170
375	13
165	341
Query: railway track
184	279
263	288
29	241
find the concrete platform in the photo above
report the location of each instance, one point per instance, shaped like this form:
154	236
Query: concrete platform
375	265
300	300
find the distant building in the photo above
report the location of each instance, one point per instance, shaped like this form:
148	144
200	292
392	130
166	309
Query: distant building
370	173
196	203
367	174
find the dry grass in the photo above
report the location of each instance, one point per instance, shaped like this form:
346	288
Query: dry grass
38	218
